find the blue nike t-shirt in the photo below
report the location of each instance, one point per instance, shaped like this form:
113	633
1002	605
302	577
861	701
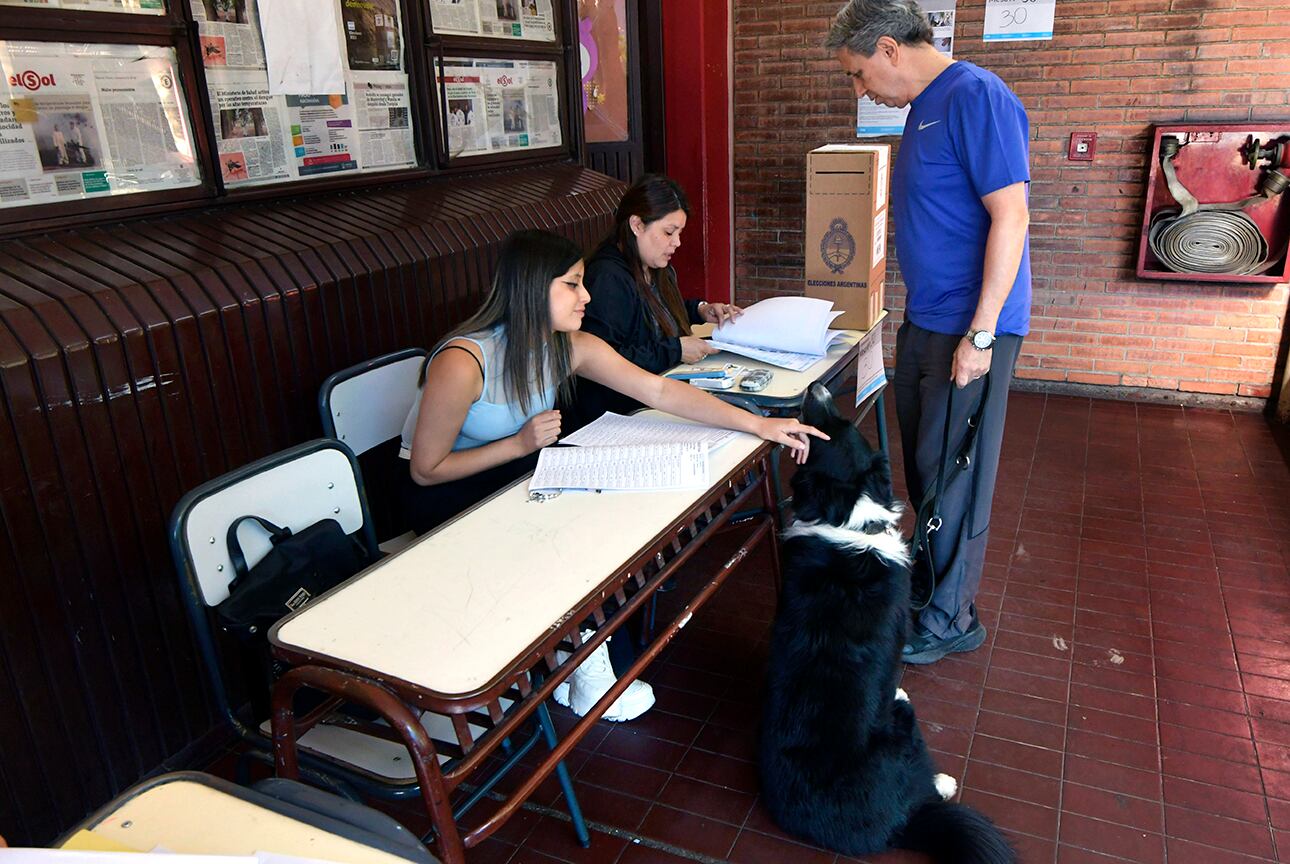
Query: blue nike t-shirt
966	136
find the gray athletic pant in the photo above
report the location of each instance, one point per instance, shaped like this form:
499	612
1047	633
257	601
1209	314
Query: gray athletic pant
921	385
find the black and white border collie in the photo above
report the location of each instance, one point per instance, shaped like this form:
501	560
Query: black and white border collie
842	762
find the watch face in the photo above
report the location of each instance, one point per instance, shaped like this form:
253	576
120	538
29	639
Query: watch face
982	339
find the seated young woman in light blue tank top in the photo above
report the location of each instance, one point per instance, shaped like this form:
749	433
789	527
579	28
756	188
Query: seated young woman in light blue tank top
488	389
492	416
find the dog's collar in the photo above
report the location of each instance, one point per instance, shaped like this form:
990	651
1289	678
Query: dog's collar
868	511
855	533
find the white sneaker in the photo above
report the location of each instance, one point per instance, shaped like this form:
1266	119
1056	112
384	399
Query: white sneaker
593	679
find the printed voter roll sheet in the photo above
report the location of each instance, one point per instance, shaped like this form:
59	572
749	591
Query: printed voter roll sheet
95	856
637	468
612	429
93	848
303	48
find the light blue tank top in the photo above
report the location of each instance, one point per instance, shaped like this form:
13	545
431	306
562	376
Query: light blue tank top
492	416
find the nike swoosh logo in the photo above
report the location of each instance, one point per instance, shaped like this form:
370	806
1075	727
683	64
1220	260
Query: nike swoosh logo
924	125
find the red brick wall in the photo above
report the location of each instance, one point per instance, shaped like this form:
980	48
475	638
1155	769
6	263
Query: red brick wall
1114	67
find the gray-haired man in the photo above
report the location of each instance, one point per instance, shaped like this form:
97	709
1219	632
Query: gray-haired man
959	204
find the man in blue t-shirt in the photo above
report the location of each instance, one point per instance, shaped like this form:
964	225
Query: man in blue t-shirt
960	215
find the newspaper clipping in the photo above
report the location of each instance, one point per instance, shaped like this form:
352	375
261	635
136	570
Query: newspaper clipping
372	35
136	7
229	32
496	106
322	134
249	129
81	121
498	19
383	116
263	138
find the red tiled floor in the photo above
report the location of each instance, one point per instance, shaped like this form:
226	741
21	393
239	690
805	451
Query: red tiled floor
1132	703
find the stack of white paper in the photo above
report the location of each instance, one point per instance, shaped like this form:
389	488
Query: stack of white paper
615	430
792	332
637	468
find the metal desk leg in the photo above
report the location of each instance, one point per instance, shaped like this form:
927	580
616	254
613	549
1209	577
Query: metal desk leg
566	784
881	420
779	504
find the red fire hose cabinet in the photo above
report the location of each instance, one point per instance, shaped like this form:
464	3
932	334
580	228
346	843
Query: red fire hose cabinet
1217	204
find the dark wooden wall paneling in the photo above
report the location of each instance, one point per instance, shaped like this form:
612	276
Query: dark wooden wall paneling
622	161
138	360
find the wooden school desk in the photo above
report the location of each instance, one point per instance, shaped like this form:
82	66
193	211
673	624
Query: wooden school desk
475	611
192	813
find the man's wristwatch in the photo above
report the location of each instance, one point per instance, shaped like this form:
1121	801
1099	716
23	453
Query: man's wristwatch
982	340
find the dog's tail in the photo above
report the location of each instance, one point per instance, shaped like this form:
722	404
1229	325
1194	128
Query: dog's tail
955	834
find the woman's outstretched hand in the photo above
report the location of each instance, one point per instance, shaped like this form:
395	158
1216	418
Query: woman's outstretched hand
793	434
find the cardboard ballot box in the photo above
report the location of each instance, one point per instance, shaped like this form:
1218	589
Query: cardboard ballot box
846	229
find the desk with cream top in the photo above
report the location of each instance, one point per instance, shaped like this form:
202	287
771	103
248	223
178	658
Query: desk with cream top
466	621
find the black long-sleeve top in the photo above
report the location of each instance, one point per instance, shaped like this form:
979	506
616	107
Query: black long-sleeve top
619	314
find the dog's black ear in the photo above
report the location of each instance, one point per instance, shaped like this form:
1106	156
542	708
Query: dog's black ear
877	479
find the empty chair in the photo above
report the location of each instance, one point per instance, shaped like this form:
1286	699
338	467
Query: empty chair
193	813
365	406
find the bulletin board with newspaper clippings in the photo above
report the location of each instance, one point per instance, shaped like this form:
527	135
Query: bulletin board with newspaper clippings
264	136
84	121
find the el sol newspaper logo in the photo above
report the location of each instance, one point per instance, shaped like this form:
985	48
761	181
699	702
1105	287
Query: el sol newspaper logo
32	80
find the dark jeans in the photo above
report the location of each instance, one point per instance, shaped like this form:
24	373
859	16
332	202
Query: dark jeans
922	385
428	507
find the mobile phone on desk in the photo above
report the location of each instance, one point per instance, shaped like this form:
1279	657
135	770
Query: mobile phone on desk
756	380
725	382
691	373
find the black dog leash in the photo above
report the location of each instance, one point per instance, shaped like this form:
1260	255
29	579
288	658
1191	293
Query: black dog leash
928	519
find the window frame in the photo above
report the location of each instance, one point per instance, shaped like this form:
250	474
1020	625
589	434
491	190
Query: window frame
563	51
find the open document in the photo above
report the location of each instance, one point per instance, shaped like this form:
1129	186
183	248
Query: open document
636	468
792	332
615	430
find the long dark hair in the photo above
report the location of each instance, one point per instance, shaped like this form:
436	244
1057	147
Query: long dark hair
520	301
651	198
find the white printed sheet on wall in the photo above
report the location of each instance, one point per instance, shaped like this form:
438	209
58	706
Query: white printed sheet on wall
1019	20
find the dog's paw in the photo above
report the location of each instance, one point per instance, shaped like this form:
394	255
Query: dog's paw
901	695
945	785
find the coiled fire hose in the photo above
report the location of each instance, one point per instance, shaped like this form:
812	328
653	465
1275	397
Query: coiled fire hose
1210	238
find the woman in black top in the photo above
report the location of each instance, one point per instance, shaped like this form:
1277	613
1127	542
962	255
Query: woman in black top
636	305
